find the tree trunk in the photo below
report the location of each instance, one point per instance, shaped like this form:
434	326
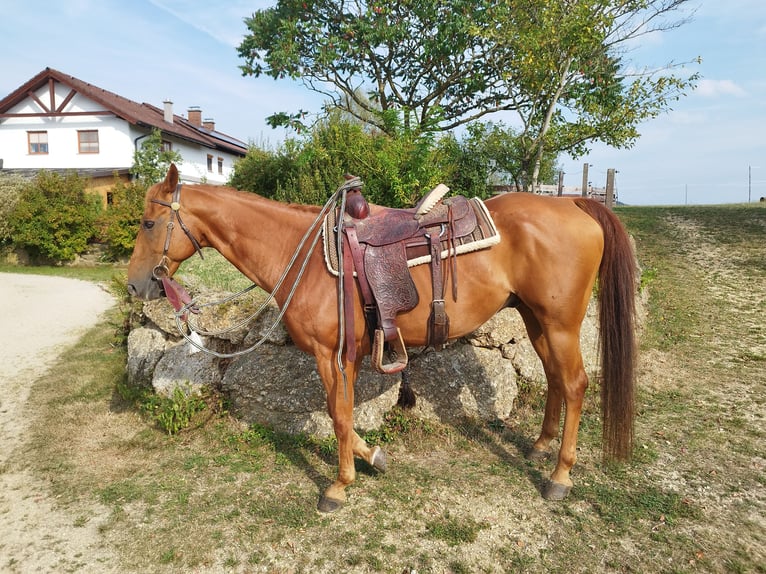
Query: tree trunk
540	140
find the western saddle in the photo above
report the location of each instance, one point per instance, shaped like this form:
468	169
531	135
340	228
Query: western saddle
378	249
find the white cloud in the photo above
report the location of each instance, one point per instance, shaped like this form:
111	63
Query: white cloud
223	22
715	88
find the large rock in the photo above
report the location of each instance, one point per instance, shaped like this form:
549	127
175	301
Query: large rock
462	381
182	367
278	385
146	345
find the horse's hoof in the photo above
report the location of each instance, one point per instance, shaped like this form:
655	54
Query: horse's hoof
556	491
379	460
536	455
327	505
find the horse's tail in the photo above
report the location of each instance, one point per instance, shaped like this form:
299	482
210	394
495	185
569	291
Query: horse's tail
616	295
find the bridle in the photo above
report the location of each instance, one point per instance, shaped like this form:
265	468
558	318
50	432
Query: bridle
161	269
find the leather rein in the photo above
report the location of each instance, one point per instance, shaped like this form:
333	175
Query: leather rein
161	273
161	269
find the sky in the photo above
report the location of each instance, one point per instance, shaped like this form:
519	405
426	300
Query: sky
711	148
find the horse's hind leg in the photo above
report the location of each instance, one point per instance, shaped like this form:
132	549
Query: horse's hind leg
559	351
573	382
374	456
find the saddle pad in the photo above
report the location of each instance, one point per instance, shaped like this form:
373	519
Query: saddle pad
484	235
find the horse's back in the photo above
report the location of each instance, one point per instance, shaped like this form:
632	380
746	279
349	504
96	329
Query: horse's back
539	210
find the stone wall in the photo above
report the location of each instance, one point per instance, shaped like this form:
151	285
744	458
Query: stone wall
278	385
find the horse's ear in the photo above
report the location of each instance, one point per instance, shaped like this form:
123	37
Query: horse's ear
171	179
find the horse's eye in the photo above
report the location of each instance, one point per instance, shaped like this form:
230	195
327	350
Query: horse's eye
148	224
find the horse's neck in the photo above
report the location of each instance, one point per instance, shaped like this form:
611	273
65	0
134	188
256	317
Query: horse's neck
255	234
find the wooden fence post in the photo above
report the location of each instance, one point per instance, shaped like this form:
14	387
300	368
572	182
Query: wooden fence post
585	179
609	199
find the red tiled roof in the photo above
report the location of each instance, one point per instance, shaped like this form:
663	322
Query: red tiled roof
145	115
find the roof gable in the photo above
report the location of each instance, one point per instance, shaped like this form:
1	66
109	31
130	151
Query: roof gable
145	115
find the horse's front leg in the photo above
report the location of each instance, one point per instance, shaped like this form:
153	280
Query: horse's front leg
340	405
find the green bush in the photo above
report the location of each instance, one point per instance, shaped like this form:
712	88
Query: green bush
396	171
119	223
11	187
268	173
171	413
55	218
175	413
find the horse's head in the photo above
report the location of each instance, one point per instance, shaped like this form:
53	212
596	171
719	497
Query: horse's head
163	240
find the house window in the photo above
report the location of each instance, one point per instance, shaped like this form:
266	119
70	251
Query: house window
166	146
220	165
87	141
210	163
38	142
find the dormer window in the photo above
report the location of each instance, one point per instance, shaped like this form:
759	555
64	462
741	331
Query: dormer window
87	141
38	143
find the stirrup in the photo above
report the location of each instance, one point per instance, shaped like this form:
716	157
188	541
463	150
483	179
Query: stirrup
397	353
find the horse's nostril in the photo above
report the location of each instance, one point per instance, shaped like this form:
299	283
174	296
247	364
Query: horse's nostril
132	290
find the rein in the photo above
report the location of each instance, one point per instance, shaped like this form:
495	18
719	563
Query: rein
181	314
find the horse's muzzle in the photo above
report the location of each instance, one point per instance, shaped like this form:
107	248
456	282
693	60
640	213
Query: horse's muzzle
147	290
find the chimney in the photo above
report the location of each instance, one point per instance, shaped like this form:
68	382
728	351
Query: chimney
195	116
209	124
168	111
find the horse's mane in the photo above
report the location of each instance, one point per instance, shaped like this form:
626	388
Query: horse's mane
310	209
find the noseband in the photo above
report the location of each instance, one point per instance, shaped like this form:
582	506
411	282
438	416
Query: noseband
161	269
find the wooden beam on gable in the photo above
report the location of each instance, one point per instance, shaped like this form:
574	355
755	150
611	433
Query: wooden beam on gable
48	114
39	102
52	93
70	95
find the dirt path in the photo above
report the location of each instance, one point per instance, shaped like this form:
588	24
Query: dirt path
40	317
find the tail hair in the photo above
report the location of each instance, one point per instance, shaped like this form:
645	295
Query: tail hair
407	398
617	314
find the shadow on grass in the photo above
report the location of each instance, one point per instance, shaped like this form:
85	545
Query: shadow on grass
509	446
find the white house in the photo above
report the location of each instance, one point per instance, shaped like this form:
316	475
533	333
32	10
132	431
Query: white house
58	122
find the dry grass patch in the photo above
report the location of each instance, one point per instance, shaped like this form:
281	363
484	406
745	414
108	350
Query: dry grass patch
222	497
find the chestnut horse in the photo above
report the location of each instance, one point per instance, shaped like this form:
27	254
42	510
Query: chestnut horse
550	253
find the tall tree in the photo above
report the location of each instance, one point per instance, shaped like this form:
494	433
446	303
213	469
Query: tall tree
433	65
152	160
421	60
569	77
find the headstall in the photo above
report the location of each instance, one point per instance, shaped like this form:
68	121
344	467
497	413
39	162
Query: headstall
161	269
